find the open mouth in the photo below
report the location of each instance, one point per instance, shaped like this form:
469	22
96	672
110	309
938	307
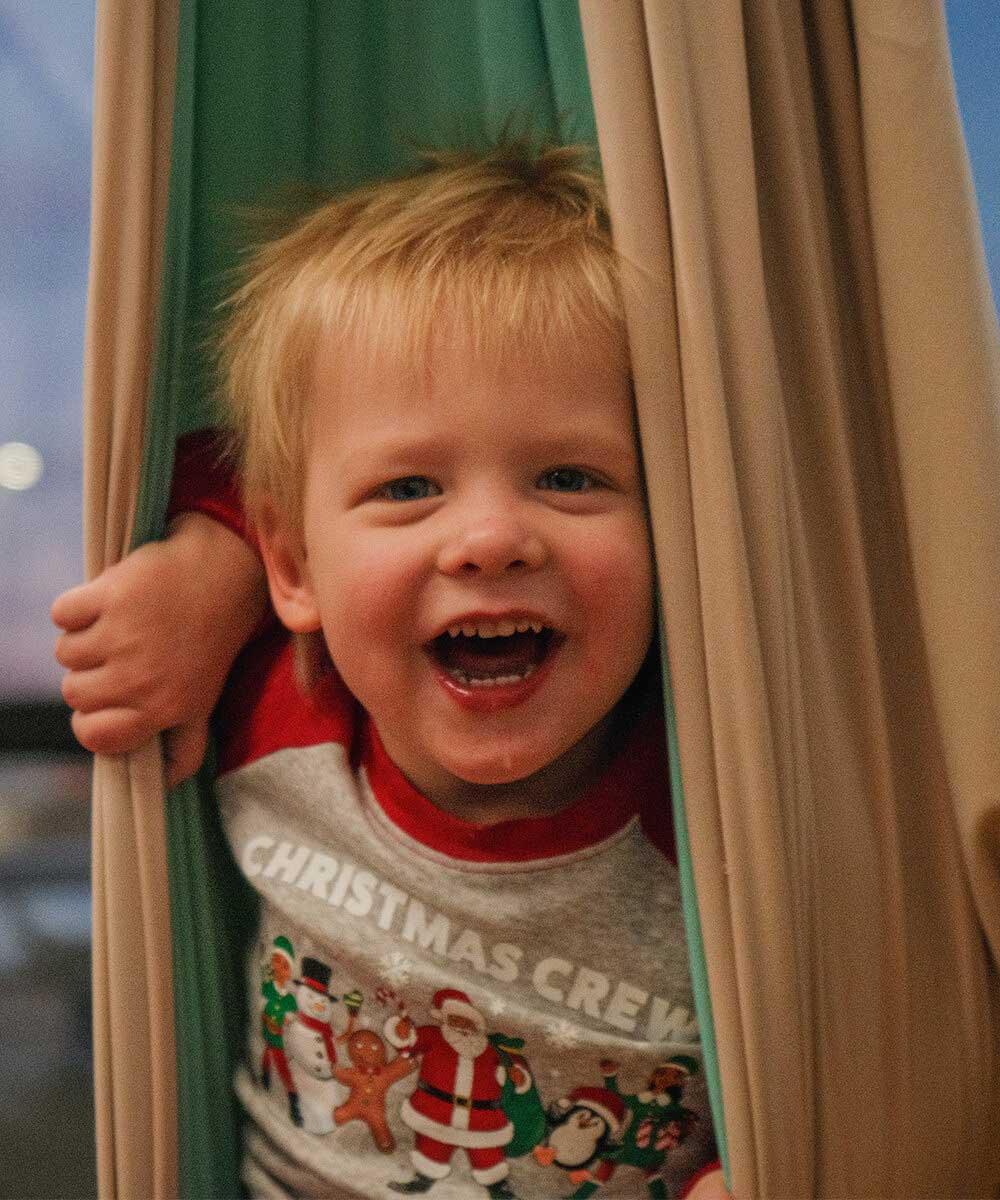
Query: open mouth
489	654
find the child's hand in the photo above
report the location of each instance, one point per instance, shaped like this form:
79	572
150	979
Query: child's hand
710	1187
149	642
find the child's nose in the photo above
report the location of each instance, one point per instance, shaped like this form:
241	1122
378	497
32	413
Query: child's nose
492	545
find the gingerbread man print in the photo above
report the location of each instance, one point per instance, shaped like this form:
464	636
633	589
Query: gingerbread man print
370	1077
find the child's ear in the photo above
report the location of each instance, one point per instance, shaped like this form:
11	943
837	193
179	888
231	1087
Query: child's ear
287	573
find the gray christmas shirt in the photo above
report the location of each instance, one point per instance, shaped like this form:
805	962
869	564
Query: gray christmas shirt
450	1009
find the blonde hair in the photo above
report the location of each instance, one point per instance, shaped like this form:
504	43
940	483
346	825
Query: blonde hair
492	252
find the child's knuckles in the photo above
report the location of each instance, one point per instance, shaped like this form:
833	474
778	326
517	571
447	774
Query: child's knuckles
59	611
88	732
76	652
90	691
71	689
62	651
73	609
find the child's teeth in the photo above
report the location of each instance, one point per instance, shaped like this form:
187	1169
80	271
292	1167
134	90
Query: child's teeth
491	629
475	681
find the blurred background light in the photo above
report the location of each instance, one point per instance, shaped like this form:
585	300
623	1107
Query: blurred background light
20	466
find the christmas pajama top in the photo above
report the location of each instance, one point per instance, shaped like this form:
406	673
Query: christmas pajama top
553	944
389	928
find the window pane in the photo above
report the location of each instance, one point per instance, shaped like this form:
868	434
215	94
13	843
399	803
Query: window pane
46	69
974	33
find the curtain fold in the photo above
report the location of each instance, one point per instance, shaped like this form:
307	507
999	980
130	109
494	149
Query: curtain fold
269	100
815	360
943	358
134	1084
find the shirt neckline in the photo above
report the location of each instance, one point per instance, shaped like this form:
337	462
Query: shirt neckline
634	773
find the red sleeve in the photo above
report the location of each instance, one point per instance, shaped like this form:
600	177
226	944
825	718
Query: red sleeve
264	708
204	481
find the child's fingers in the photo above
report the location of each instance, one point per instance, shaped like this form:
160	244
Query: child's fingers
112	730
77	608
87	690
80	651
108	686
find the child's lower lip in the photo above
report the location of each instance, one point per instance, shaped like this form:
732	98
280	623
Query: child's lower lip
497	696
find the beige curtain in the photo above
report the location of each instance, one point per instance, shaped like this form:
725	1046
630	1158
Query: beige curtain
135	1092
818	382
817	372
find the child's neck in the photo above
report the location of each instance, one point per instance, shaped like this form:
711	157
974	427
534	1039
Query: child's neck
555	787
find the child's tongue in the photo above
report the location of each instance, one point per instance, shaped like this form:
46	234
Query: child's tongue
483	657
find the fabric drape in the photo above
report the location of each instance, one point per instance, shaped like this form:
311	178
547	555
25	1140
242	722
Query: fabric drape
134	1074
817	376
267	101
816	372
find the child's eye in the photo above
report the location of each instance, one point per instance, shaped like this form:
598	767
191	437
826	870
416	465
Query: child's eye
567	479
410	487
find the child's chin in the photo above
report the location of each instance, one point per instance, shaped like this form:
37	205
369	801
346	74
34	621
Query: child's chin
493	776
498	770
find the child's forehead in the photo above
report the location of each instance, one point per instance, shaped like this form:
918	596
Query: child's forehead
520	408
543	378
418	362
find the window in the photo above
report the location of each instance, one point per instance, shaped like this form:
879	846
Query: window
974	34
46	72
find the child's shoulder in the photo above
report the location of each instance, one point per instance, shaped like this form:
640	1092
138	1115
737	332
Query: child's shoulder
265	708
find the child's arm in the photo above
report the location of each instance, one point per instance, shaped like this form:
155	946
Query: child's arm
149	642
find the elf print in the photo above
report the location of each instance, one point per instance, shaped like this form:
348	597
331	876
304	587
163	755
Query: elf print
279	1008
645	1126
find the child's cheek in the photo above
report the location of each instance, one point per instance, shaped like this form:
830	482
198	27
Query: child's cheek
618	570
376	585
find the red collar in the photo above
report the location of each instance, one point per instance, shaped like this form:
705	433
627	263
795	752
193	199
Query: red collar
637	773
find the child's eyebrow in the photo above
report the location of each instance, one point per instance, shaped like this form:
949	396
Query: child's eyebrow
564	446
578	443
395	447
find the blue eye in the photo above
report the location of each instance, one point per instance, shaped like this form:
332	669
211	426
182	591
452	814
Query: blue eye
567	479
410	487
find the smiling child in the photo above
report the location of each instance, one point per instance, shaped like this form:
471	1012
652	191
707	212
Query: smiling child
456	820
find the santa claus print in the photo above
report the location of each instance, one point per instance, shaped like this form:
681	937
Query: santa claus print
457	1103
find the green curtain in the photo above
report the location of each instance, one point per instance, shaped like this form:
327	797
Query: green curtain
270	98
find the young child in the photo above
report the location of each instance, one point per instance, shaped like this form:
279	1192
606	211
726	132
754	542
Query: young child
471	975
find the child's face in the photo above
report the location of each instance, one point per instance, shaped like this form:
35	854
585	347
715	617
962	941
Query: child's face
477	501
